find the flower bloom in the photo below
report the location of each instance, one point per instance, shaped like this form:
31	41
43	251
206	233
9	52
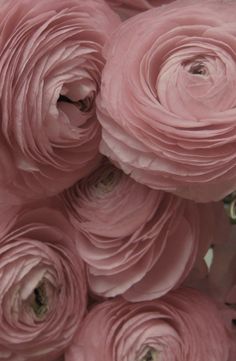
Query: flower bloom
42	286
182	326
136	241
51	62
167	104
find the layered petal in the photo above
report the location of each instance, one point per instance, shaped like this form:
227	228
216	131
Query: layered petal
128	8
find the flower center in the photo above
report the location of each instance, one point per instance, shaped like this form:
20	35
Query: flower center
150	355
39	302
84	105
198	68
107	180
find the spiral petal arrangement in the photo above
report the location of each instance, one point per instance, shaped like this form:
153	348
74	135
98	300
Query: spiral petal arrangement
42	286
167	106
137	241
173	328
51	63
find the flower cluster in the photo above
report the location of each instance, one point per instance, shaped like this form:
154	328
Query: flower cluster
117	179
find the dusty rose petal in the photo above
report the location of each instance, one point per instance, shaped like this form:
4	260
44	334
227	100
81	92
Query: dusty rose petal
167	103
175	327
43	286
136	241
51	62
128	8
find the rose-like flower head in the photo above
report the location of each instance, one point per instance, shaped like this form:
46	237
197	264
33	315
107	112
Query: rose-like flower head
136	241
43	291
167	104
182	326
51	62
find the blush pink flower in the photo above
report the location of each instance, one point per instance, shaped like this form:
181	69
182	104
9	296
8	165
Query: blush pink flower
167	104
136	241
43	290
51	62
182	326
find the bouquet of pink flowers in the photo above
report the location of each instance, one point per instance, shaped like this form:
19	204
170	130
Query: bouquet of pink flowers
117	180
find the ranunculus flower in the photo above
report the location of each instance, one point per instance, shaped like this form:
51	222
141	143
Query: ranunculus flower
51	62
167	104
43	290
182	326
136	241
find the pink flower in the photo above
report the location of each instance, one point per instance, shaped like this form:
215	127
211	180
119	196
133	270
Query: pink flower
136	241
42	286
182	326
167	104
51	62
